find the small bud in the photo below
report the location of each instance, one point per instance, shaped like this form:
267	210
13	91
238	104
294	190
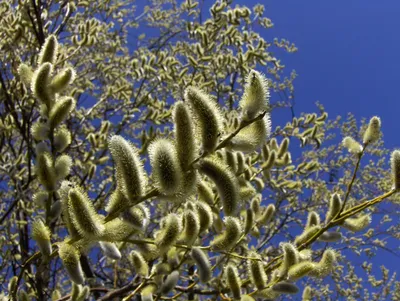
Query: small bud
170	282
253	136
41	234
203	264
233	280
256	95
357	224
373	131
60	111
70	258
48	53
225	181
166	169
139	263
63	166
352	145
395	165
83	214
110	250
335	204
40	84
169	233
230	237
256	272
285	287
62	80
208	117
130	173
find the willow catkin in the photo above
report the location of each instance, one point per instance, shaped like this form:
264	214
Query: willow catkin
205	216
335	204
306	294
191	226
352	145
233	281
205	193
25	74
41	234
60	110
290	257
373	131
283	148
300	270
83	214
253	136
138	216
208	117
225	181
48	53
230	236
170	231
307	234
62	138
330	237
40	84
256	95
395	167
166	170
139	263
70	258
266	215
130	174
110	250
249	221
357	224
169	283
116	230
326	264
285	287
313	219
202	263
63	166
256	271
62	80
184	134
45	171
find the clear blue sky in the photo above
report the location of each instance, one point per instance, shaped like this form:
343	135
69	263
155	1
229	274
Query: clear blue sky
348	58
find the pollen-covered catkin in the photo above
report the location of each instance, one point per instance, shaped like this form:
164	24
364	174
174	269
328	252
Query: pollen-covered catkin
233	281
184	134
170	231
373	131
110	250
256	95
395	166
225	181
83	214
70	258
208	117
230	236
203	264
256	271
166	169
130	174
48	53
41	234
139	263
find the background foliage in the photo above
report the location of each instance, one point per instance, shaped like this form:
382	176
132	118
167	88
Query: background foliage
127	83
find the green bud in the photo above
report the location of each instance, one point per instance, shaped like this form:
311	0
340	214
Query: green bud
130	174
166	169
225	181
83	214
110	250
70	258
139	263
233	280
230	237
373	131
41	234
208	117
48	53
256	95
203	264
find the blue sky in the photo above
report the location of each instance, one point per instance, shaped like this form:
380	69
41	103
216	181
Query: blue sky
348	57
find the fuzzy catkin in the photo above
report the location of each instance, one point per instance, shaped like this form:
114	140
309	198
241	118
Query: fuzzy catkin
230	236
169	232
233	280
395	167
256	271
41	234
139	263
48	53
70	258
373	131
110	250
203	264
40	84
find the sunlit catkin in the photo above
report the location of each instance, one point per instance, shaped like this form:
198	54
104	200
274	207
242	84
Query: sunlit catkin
166	170
138	216
191	226
70	258
313	219
184	134
373	131
139	263
285	287
208	117
256	95
300	270
357	224
130	174
225	181
230	236
83	214
40	84
48	53
202	263
352	145
307	234
170	231
326	264
330	237
335	204
41	234
256	271
110	250
253	136
116	230
233	281
25	74
62	80
45	171
205	216
60	111
63	166
266	215
205	193
290	257
62	139
249	221
395	166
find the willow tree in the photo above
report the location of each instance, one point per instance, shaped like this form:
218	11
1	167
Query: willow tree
139	167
